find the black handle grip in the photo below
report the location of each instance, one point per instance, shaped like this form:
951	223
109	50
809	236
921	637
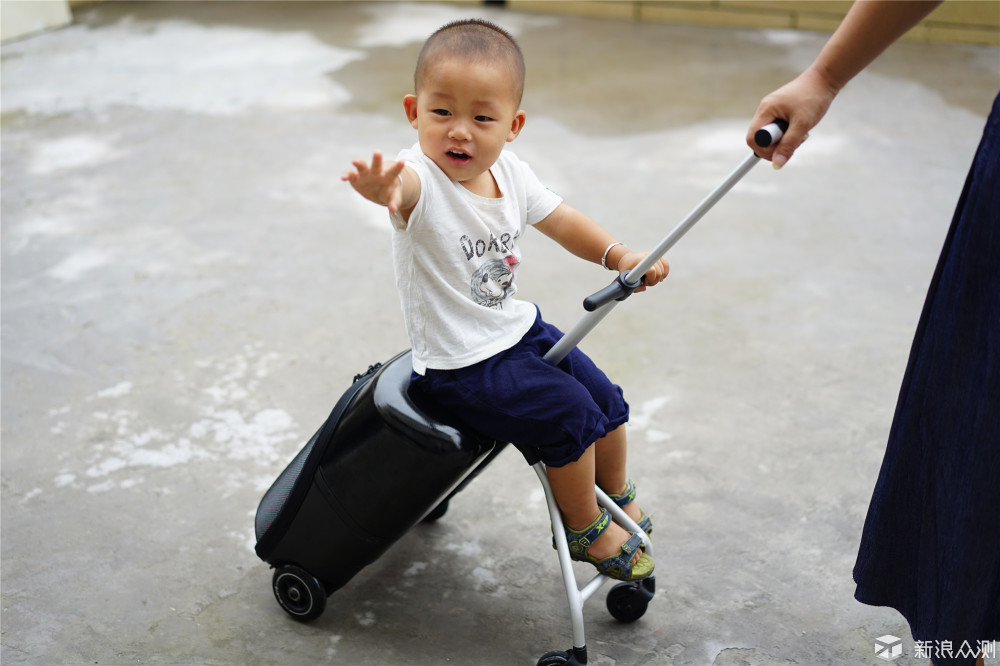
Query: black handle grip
618	290
767	135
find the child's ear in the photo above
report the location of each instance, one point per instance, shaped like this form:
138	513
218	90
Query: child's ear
516	125
410	106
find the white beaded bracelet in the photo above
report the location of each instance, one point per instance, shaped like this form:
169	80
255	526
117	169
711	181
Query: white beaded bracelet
604	259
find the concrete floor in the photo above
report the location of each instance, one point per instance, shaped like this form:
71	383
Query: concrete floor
188	287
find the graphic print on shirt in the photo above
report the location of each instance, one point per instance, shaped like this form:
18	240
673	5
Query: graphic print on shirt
493	282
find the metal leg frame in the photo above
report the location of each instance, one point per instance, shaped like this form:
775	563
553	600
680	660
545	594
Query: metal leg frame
575	595
596	311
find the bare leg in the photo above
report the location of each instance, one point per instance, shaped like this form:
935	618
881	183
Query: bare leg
610	458
573	487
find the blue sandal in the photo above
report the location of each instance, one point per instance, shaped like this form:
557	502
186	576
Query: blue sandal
645	523
620	566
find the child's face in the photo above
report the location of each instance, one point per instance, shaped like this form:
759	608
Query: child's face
464	113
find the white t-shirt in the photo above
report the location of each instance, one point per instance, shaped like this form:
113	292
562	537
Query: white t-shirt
456	259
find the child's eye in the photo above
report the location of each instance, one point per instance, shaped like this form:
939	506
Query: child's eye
441	112
483	119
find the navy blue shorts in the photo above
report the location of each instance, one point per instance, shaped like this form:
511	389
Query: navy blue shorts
516	396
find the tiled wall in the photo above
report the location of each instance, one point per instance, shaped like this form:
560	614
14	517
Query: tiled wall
966	21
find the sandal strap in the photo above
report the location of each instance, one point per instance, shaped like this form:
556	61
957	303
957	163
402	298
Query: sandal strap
629	548
626	497
645	523
580	541
620	566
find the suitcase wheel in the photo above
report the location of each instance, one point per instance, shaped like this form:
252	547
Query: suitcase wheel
299	593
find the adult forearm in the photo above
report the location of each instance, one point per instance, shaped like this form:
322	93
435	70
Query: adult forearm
869	28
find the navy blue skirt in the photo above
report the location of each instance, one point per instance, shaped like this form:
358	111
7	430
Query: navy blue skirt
931	541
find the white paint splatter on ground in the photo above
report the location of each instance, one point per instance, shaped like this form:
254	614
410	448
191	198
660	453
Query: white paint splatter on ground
172	65
128	442
65	216
466	548
116	391
640	419
486	581
79	263
70	152
415	568
65	479
245	440
332	650
45	227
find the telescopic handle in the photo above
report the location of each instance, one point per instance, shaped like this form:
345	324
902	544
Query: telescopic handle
598	305
621	288
770	134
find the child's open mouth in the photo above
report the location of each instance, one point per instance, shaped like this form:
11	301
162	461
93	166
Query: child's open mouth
459	156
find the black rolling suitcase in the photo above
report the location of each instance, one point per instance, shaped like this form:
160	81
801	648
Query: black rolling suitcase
380	443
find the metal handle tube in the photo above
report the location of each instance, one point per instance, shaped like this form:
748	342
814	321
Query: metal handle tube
598	308
587	323
693	217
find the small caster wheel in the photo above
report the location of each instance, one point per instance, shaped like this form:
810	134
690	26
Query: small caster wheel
436	513
627	602
299	593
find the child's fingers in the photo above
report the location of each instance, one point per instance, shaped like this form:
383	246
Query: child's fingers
395	170
657	273
654	274
664	267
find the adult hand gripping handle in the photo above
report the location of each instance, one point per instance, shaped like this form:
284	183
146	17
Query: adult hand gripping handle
770	134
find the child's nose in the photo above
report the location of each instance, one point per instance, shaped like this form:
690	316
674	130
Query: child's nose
459	130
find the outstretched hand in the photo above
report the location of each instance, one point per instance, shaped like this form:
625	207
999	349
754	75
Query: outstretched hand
378	183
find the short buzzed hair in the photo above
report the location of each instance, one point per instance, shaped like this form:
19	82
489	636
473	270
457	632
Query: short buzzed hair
478	40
